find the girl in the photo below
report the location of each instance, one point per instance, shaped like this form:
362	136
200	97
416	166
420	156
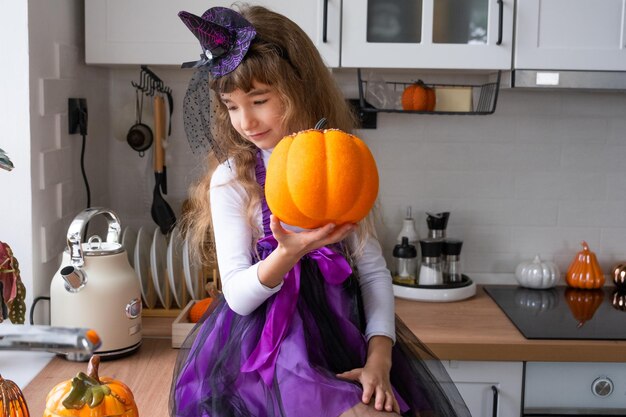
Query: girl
285	340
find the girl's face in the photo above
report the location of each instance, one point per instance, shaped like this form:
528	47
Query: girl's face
256	115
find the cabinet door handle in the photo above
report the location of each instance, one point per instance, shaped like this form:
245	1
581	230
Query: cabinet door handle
500	18
325	24
496	393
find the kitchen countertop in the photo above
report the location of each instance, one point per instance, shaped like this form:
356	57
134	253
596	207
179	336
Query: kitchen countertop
473	329
476	329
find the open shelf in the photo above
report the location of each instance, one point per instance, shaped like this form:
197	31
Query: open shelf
482	97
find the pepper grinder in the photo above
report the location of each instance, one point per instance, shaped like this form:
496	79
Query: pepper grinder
437	224
430	269
452	271
405	255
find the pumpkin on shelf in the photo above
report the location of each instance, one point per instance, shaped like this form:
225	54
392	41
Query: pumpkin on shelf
315	177
584	271
12	402
91	395
583	303
419	97
619	275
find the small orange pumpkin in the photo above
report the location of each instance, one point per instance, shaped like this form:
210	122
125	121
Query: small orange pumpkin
12	402
198	309
584	271
316	177
583	303
419	97
88	395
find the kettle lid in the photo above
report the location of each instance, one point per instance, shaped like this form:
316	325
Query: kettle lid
96	247
77	249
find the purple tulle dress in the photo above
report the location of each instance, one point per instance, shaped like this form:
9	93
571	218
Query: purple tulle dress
281	360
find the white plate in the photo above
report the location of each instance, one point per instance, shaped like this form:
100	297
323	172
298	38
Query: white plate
129	242
142	267
175	272
158	264
195	287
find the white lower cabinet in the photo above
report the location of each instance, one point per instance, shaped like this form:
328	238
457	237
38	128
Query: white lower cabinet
486	386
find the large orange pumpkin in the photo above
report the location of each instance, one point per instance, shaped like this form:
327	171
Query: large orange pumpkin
419	97
12	402
584	271
316	177
90	396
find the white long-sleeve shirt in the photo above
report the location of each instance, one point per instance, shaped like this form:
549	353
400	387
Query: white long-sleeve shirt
240	283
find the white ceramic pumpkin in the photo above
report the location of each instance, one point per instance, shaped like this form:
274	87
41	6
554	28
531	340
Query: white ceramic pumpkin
537	274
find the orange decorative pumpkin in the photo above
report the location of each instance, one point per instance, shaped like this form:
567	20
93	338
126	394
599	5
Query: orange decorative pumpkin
198	309
619	275
12	402
584	271
583	303
317	177
419	97
90	396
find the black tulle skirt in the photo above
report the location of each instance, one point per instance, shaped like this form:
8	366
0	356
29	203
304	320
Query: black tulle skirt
325	337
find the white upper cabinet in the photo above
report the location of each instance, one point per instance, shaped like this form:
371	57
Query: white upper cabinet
571	35
150	32
440	34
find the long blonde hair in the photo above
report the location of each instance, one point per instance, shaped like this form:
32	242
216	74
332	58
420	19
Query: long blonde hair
284	57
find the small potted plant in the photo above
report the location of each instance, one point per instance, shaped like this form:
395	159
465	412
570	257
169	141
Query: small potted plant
12	290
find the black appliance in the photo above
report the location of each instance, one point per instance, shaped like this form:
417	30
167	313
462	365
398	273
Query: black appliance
562	312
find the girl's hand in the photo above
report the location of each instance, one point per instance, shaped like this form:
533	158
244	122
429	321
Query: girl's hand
299	244
293	246
374	378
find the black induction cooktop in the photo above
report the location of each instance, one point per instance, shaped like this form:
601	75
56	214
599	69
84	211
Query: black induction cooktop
563	312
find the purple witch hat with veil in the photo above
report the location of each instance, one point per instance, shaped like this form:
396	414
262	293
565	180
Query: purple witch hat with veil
225	38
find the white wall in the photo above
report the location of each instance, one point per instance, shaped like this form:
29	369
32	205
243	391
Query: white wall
15	200
45	67
539	176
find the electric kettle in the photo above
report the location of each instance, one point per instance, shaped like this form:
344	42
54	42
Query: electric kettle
96	288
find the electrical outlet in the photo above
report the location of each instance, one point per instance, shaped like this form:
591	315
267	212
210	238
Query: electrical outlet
77	115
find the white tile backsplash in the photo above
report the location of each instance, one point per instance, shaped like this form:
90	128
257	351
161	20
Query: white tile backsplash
537	177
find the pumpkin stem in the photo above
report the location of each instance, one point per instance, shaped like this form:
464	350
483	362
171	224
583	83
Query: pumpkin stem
585	246
321	123
92	368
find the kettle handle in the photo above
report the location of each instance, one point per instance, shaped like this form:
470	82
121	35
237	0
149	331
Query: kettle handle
75	232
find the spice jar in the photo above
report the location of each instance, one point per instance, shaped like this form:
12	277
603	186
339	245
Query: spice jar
405	256
430	268
452	270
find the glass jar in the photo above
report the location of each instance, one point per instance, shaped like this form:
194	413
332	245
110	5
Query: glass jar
405	256
431	272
